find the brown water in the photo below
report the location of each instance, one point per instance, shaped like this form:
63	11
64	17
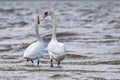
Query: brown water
90	30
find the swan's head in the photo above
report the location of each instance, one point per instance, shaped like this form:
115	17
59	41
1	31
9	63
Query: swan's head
47	13
36	20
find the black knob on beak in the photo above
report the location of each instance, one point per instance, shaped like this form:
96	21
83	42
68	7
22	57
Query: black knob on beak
38	21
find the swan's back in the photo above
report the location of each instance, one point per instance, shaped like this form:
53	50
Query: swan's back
34	51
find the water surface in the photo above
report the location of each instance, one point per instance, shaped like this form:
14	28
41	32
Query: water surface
90	30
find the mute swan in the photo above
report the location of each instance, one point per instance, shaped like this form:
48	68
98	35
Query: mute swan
56	49
35	50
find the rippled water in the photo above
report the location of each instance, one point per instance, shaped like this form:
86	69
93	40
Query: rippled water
90	29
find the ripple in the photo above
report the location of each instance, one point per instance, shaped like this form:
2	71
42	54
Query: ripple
19	23
76	56
9	57
11	10
59	75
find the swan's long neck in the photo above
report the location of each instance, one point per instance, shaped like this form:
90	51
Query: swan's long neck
37	32
53	26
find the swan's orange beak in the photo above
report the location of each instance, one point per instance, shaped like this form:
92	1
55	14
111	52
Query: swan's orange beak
45	14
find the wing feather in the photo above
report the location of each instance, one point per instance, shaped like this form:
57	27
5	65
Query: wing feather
35	50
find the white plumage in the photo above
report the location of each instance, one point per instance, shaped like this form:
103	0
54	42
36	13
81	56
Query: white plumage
56	49
35	50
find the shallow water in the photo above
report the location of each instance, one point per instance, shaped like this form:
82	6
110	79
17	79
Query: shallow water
90	30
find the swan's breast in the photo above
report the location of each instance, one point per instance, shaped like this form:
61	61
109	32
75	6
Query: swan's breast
58	57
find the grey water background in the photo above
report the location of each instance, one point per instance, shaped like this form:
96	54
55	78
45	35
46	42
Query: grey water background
89	29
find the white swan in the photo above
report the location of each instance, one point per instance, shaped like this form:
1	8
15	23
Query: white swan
56	49
35	50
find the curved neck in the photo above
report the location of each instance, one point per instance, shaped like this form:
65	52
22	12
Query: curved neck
37	32
53	26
